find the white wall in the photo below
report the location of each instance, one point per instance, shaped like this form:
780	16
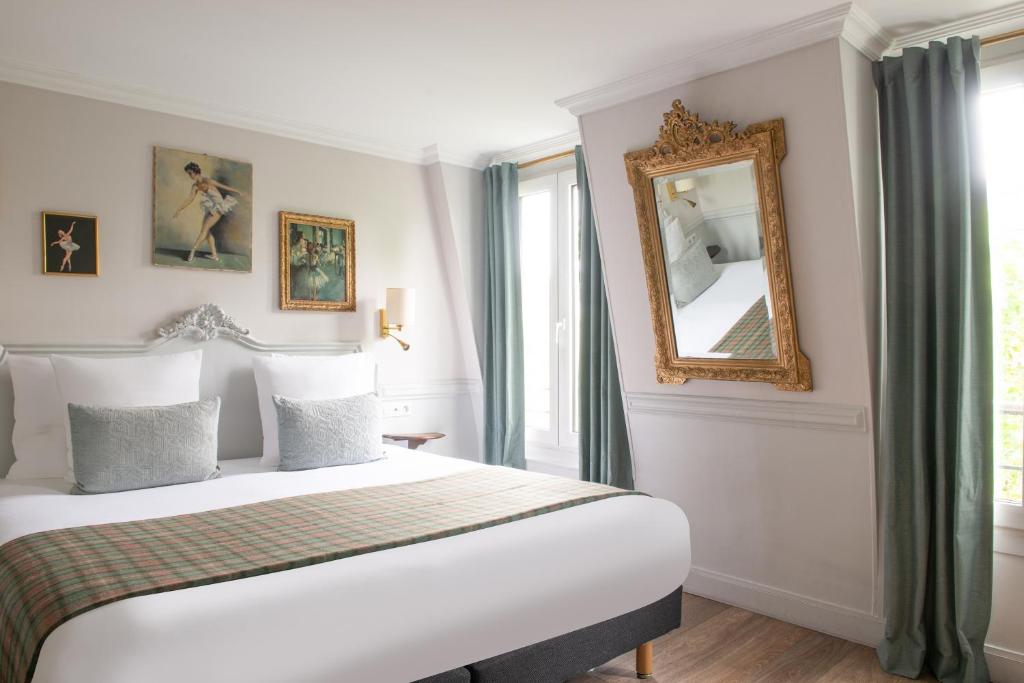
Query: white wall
59	152
778	486
464	188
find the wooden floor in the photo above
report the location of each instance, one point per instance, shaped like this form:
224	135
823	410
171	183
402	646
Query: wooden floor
722	644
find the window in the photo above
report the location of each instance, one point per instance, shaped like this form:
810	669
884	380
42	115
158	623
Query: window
549	250
1003	141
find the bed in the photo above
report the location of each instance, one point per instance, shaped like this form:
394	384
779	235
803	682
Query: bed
702	324
564	590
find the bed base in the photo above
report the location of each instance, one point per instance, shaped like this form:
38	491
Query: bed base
559	659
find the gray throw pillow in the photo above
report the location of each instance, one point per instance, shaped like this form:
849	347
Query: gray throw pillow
121	449
327	432
691	273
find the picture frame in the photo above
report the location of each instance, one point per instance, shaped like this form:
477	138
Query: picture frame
202	211
71	244
317	263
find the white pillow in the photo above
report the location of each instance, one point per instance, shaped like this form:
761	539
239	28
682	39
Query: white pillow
40	444
307	377
134	382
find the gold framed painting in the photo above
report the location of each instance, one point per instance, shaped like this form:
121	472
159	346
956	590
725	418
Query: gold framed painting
202	211
71	244
318	263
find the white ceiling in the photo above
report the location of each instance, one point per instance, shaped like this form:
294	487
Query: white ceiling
473	76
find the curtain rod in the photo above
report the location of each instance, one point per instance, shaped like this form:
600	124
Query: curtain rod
1003	37
550	157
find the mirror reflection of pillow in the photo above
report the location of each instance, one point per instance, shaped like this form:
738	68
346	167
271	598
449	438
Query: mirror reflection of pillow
675	239
691	273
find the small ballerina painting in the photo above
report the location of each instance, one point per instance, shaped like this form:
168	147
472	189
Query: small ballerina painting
318	263
70	244
202	211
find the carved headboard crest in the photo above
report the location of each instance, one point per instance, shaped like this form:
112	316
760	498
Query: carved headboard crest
204	323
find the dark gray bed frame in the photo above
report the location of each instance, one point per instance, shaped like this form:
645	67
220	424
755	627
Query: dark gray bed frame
560	658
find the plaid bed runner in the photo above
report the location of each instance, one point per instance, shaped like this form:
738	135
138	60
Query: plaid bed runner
751	336
49	577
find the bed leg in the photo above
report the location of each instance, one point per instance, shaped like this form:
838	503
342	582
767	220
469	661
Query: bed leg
645	660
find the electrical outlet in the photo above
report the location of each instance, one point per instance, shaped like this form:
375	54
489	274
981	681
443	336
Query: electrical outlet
395	409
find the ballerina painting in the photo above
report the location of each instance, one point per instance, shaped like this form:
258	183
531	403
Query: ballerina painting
64	242
215	206
317	263
208	224
70	244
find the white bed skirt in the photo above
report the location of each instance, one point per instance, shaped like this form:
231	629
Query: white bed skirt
395	615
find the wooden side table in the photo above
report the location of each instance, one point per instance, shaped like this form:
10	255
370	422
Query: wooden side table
414	441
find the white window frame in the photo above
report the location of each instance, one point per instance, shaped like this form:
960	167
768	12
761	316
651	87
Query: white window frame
558	446
1008	517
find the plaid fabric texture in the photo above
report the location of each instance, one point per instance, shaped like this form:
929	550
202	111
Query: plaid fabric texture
49	577
751	336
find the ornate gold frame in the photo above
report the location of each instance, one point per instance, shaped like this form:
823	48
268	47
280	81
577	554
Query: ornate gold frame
349	226
685	142
96	222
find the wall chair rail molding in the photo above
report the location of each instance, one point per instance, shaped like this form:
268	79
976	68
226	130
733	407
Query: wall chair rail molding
801	414
202	324
431	389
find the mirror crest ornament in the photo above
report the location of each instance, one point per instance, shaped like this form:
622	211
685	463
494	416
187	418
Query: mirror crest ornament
705	187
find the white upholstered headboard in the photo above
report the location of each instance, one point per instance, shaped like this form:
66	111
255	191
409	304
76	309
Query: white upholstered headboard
227	372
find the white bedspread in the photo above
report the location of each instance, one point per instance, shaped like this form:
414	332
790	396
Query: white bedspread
702	323
396	615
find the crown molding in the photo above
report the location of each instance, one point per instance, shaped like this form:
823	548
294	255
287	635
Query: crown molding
432	154
985	24
865	34
539	149
813	28
71	83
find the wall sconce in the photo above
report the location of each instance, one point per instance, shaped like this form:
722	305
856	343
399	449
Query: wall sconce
398	313
678	187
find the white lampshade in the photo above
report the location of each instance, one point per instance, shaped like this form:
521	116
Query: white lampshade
401	306
685	185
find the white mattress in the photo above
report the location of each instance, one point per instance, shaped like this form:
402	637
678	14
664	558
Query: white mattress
396	615
703	322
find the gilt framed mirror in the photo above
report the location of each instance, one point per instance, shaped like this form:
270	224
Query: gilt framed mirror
713	235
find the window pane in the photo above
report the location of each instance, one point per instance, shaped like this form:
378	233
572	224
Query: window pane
1003	145
535	254
1008	485
1009	455
1009	438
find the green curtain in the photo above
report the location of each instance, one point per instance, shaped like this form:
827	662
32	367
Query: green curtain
504	402
604	442
935	459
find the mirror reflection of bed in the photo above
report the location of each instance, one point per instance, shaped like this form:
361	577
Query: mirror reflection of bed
714	261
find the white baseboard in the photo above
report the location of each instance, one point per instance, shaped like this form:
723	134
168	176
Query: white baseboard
819	615
1005	665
